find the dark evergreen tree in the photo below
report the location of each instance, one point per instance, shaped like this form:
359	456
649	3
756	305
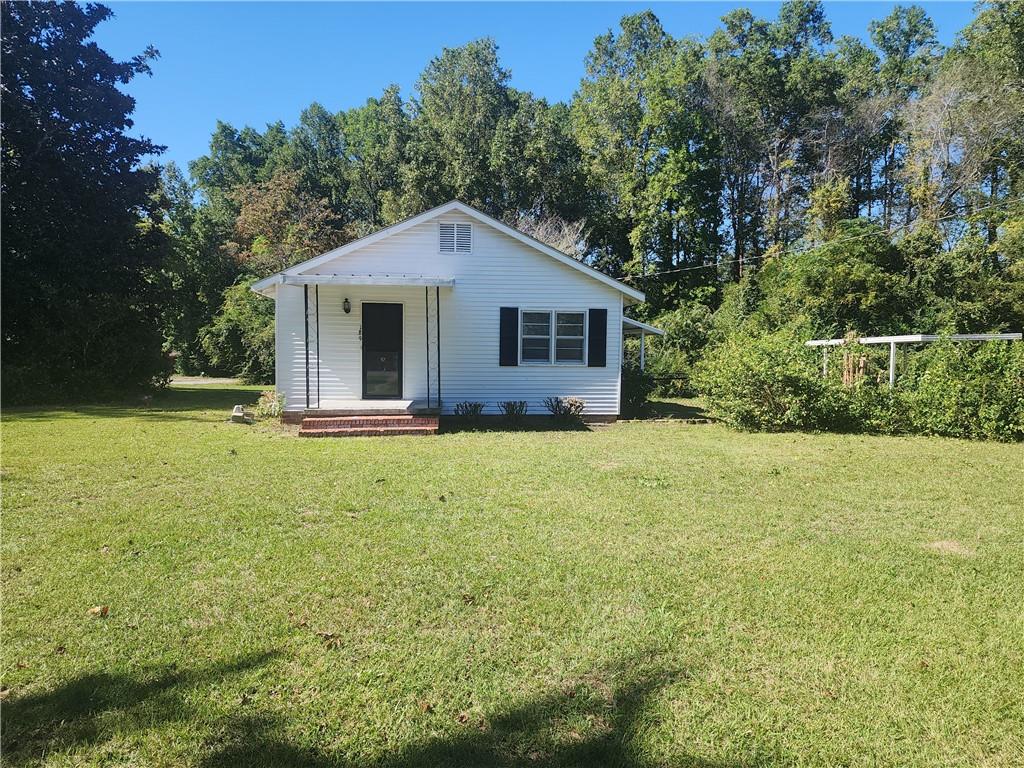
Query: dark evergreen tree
82	289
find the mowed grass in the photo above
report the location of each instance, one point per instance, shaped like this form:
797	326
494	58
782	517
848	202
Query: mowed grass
645	594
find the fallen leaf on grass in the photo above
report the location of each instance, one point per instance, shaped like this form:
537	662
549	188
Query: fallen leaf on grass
463	717
99	611
4	693
425	706
331	640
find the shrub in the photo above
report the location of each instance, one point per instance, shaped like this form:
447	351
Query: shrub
637	387
565	408
240	338
965	390
513	410
270	405
771	383
468	410
671	357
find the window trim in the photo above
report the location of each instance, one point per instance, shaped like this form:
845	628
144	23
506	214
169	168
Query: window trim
455	237
553	337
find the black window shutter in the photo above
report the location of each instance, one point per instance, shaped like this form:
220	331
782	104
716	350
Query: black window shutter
597	343
508	337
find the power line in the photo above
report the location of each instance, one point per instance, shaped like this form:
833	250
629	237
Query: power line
840	241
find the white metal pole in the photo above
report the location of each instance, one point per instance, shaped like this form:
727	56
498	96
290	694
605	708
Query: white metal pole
892	364
643	338
824	362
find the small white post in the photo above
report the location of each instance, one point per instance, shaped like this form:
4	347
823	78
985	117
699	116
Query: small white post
892	364
643	338
824	362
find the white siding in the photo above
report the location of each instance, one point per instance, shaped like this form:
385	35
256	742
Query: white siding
500	272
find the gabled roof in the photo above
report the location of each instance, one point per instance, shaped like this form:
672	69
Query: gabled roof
453	206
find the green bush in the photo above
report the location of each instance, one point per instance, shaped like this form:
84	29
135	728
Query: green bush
270	405
637	387
241	337
771	383
966	390
774	383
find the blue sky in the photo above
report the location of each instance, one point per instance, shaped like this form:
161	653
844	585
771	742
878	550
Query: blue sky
254	63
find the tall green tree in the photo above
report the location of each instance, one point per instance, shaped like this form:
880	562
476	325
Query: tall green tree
463	95
376	136
650	151
910	52
773	88
82	287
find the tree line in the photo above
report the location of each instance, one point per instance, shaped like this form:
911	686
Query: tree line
684	166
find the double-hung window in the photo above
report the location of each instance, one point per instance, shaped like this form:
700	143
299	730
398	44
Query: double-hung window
569	334
553	336
536	337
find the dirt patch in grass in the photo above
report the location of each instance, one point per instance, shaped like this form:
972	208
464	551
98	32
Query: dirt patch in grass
950	547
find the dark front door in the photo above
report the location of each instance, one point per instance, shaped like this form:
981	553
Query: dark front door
382	351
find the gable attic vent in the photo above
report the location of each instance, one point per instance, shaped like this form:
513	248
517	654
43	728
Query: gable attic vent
455	238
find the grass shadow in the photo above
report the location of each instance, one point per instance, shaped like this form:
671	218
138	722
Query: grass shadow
174	403
674	409
585	725
455	424
79	712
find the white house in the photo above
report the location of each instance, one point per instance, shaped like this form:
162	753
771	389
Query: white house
448	306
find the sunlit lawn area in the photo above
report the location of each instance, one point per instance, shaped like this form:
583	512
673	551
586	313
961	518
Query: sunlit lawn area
649	593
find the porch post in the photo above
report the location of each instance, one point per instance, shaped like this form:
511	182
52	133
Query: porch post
643	339
437	314
426	330
316	290
892	364
305	318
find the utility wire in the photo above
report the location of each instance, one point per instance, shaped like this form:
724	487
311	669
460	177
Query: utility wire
840	241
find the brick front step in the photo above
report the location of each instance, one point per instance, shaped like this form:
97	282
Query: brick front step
361	431
334	422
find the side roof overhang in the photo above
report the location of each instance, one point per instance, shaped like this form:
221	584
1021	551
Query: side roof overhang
631	327
268	286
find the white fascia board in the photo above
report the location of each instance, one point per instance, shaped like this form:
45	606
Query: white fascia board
268	285
399	279
629	322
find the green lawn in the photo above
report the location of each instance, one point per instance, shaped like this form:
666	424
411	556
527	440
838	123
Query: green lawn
645	594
